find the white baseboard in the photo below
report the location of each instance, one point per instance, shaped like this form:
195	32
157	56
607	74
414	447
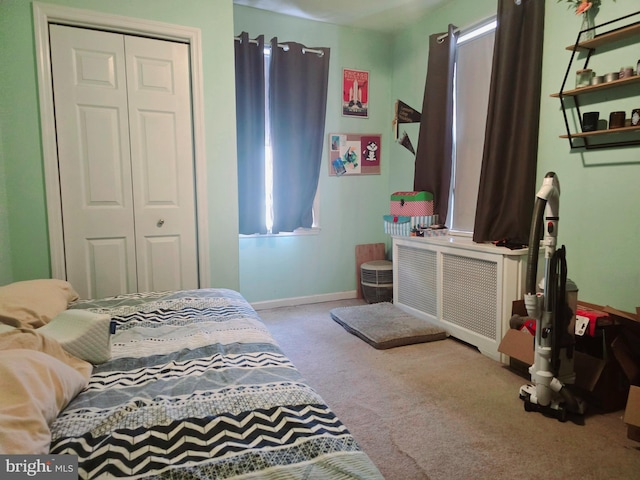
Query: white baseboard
292	302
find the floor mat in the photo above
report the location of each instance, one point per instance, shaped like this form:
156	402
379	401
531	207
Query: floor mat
383	325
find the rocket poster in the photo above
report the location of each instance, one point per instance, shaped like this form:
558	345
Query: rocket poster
355	93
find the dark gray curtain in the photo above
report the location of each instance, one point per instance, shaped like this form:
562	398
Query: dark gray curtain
297	107
435	141
250	124
508	175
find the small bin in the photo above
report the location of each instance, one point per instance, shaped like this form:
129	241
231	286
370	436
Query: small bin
377	281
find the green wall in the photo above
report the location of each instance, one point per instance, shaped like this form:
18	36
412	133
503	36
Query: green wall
599	221
6	270
25	253
351	208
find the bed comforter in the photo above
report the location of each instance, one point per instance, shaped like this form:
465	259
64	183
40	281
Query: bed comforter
198	388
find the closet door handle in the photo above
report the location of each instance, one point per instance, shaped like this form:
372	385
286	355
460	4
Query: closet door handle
160	223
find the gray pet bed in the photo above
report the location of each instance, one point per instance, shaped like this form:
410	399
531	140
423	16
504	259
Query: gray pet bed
383	325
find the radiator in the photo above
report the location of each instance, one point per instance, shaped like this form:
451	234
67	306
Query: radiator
466	288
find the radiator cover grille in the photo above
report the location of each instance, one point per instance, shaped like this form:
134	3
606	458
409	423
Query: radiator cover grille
418	279
469	293
466	288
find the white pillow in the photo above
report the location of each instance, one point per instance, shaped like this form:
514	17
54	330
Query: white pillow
6	328
82	333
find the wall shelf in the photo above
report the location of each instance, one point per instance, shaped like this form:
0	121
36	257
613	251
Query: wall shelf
629	33
598	88
611	36
597	133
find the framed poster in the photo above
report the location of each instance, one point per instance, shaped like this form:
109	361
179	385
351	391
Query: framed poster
355	93
354	154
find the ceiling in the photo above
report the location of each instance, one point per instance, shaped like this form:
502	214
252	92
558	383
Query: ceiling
380	15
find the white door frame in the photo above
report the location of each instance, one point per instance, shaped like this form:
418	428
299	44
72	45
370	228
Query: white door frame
43	14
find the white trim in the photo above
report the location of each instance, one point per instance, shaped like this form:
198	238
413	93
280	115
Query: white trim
294	301
298	232
43	14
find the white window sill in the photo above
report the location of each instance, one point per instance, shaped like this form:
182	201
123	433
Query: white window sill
298	233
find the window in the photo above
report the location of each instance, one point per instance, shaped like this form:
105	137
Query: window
295	75
268	158
472	79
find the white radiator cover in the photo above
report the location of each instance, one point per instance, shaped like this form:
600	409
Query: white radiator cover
464	287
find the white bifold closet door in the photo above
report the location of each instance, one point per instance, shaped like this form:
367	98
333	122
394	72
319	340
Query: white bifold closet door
125	153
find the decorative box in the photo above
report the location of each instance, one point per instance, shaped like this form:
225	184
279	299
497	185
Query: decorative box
412	204
403	225
397	225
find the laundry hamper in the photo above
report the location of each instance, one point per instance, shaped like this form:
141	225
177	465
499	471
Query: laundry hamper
377	281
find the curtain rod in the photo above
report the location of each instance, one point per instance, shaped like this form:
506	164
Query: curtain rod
286	47
445	35
468	27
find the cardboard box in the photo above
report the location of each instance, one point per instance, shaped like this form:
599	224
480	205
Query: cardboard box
627	352
519	345
600	382
632	414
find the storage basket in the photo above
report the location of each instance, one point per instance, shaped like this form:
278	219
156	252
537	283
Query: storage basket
377	281
377	293
402	226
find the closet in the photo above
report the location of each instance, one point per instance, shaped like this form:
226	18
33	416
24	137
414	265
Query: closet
126	164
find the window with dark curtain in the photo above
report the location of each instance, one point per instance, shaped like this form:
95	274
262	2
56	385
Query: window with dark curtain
250	128
296	107
508	175
298	80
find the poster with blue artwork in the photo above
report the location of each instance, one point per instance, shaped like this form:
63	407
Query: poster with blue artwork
354	154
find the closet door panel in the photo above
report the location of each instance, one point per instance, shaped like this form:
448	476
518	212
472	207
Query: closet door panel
107	263
90	90
162	157
163	262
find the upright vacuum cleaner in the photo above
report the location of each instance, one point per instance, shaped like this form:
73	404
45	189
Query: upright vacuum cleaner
552	370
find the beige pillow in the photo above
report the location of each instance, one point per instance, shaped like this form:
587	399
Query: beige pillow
34	388
37	380
33	303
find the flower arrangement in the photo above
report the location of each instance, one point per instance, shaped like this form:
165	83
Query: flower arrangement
582	6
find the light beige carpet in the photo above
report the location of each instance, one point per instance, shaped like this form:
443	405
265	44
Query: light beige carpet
441	410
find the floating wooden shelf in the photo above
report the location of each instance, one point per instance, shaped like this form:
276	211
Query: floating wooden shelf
598	133
608	37
599	87
630	34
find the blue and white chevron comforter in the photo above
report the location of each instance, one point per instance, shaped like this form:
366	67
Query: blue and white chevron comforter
197	388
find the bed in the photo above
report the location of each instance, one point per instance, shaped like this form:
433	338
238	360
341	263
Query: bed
196	387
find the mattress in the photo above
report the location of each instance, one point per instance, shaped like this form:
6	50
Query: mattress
198	388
